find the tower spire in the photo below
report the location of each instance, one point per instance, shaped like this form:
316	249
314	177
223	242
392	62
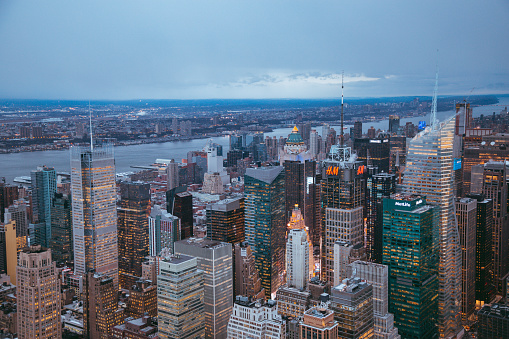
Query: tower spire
342	86
90	117
433	117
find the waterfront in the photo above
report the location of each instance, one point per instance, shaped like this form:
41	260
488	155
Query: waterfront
20	164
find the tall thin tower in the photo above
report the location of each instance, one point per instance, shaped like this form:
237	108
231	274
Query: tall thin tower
342	115
94	211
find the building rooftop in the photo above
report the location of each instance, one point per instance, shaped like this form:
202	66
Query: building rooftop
265	174
495	310
202	242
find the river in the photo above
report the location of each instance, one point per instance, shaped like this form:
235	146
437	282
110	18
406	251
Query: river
20	164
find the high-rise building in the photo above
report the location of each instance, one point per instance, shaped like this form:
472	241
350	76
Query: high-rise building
314	146
393	124
12	247
265	223
484	287
299	253
172	174
292	302
495	188
397	158
318	323
343	198
352	303
180	307
44	187
255	320
94	212
18	212
357	130
61	229
493	321
344	254
140	328
411	252
377	276
247	279
8	193
215	260
463	118
133	233
378	186
225	220
100	309
429	173
466	214
180	204
163	230
377	151
371	133
142	299
38	295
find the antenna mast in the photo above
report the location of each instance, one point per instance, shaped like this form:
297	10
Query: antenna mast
90	117
342	86
433	118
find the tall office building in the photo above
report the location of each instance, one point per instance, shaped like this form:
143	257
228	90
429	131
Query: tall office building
318	323
314	145
163	231
299	258
215	260
493	321
429	172
463	118
378	186
133	234
12	247
94	212
61	229
225	220
180	204
8	193
38	295
142	299
180	309
398	150
100	310
343	198
357	130
18	212
344	254
44	187
247	278
495	188
411	252
378	277
255	320
376	150
352	303
265	223
466	214
484	287
393	124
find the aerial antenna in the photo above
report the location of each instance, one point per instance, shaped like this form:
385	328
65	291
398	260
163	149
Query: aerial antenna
433	118
90	117
342	86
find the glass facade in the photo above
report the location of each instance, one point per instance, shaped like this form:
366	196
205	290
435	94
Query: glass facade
44	187
410	250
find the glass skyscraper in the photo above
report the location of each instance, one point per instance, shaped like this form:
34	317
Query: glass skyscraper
429	172
44	187
94	212
410	242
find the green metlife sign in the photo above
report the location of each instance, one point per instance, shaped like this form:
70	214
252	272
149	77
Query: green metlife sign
406	205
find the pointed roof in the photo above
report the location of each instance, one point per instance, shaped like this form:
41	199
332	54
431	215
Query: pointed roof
295	137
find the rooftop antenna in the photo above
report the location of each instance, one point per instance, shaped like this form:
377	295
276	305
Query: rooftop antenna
433	118
342	86
90	117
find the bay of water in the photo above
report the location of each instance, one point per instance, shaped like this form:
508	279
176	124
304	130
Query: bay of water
20	164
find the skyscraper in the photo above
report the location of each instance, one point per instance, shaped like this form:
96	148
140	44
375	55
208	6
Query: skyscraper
180	204
378	277
247	278
225	220
11	249
94	212
411	252
44	187
377	150
265	223
466	214
314	146
352	303
393	123
343	198
61	229
38	295
299	258
318	322
495	188
133	239
378	186
429	172
357	130
100	310
163	230
180	299
215	260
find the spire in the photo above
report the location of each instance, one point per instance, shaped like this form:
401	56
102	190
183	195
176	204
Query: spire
433	117
91	139
342	86
397	159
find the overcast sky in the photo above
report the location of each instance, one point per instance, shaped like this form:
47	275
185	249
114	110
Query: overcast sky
190	49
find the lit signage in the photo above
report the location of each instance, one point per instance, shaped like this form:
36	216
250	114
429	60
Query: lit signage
402	204
309	181
332	170
422	124
361	170
418	202
457	164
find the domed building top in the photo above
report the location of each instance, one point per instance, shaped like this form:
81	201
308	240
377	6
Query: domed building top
295	138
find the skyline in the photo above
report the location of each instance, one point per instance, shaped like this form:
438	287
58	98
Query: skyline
230	50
